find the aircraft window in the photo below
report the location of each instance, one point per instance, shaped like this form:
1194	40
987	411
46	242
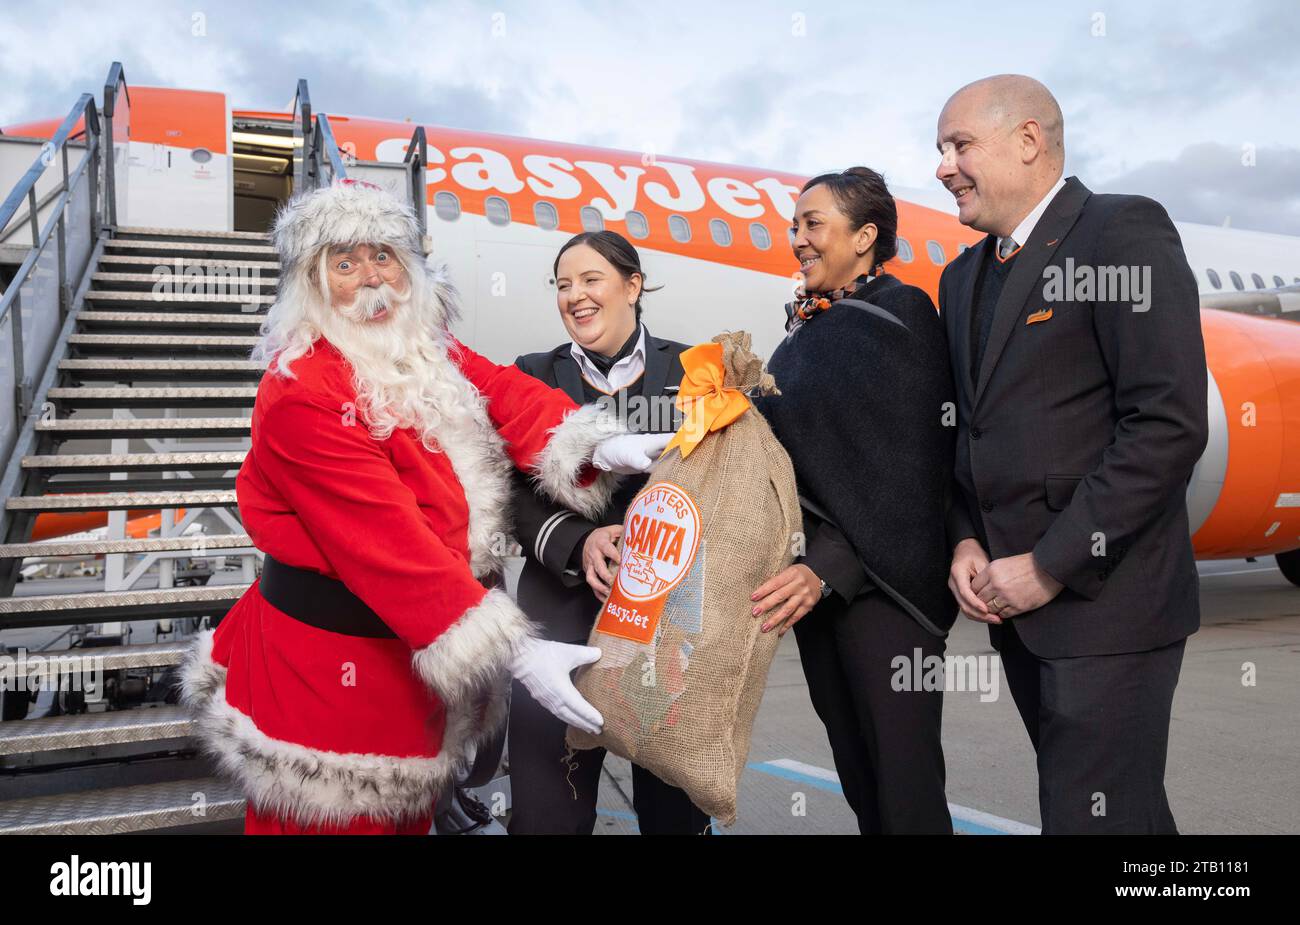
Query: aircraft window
759	236
720	231
679	228
935	250
545	215
1214	278
904	250
497	210
1236	279
592	220
1277	281
1257	280
446	206
637	225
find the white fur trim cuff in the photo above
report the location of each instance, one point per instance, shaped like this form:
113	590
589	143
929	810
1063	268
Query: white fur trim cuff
200	677
472	655
569	451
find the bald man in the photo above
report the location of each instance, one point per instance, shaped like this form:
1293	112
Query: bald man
1075	337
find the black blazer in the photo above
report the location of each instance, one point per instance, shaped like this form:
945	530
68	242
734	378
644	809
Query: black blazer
1078	439
552	591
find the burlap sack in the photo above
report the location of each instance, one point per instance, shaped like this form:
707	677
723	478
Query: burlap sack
682	704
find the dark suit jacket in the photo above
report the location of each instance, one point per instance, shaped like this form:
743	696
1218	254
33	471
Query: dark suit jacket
554	595
1078	440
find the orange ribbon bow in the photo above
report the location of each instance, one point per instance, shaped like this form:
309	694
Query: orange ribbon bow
706	404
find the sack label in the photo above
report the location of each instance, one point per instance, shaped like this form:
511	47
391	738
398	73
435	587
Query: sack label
661	534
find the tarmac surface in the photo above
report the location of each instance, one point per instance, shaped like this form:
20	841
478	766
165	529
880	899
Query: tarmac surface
1234	751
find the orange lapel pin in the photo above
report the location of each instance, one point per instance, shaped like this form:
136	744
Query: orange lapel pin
1039	316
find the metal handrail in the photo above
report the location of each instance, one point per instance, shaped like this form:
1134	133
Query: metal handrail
327	150
10	301
85	114
316	149
303	134
416	161
321	161
25	188
25	217
116	78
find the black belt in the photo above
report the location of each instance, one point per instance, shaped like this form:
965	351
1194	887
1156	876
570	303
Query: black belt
319	601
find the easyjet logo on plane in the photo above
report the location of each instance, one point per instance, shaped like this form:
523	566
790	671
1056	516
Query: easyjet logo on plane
670	185
723	213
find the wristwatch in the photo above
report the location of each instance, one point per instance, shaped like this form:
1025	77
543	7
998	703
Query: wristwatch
826	589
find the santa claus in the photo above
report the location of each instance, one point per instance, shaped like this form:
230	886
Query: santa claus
349	686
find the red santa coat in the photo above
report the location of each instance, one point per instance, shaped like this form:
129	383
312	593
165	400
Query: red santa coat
322	729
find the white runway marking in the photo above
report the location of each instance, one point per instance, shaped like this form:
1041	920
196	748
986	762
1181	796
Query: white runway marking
965	819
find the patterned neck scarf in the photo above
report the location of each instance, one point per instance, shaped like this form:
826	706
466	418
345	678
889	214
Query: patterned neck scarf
801	311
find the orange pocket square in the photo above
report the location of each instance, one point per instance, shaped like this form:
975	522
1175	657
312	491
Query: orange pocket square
1039	316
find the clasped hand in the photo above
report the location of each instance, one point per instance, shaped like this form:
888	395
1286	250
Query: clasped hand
989	592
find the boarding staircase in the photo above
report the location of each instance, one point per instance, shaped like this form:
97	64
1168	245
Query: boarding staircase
147	410
132	394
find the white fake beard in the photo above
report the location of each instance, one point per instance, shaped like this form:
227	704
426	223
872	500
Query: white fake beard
400	368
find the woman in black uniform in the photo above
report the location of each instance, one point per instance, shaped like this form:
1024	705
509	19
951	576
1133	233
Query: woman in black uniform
866	414
570	562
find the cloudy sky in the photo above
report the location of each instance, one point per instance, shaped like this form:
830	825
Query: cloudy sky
1194	103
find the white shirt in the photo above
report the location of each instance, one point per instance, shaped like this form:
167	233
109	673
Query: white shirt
1026	226
624	372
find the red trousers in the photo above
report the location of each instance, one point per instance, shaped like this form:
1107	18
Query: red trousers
258	824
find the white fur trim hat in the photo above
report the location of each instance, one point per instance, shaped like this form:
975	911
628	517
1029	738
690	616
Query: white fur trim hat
346	212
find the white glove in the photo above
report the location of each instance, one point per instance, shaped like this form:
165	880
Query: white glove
543	667
628	454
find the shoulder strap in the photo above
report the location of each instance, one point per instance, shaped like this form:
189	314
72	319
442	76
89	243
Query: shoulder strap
870	309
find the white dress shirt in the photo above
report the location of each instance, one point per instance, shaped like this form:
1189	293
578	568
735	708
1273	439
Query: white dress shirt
1026	226
624	372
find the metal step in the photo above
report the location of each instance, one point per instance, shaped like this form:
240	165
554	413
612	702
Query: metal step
139	370
122	501
101	606
123	809
197	544
90	730
118	246
182	321
132	281
145	655
133	462
182	264
142	231
235	396
166	343
177	299
89	428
